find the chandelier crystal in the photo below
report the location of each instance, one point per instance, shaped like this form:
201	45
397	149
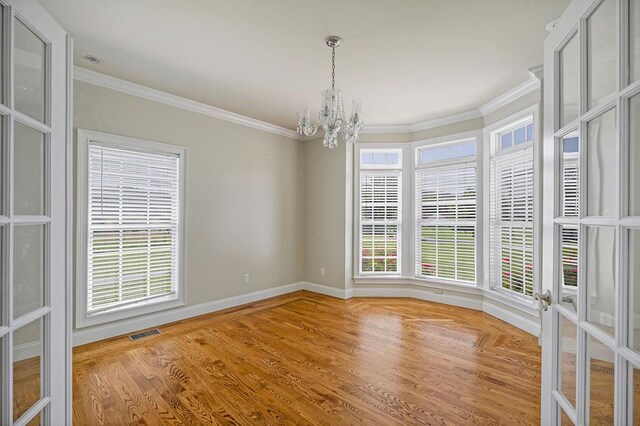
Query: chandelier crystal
331	116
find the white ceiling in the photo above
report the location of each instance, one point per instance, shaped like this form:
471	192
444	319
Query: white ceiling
409	60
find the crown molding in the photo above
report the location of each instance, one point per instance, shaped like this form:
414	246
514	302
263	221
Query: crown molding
124	86
516	93
425	125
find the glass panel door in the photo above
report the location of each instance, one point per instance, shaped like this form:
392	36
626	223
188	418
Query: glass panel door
33	145
590	230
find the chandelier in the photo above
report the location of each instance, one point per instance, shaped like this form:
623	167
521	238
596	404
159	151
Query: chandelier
331	116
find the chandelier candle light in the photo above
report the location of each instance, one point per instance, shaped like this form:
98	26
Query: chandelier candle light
331	116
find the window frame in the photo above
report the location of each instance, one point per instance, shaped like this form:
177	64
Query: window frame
360	168
453	140
497	151
83	317
491	142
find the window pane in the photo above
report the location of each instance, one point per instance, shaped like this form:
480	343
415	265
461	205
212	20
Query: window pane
379	158
602	55
570	177
634	156
601	363
380	207
27	366
568	355
634	42
569	271
29	179
29	72
366	158
28	268
446	197
392	159
569	61
530	132
602	165
428	155
466	149
133	227
447	152
506	140
570	145
601	277
634	289
520	135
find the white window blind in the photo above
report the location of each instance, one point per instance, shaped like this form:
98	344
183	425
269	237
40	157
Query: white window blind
446	221
133	215
380	221
570	187
511	242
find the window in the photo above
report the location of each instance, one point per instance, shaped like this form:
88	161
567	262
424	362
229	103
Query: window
511	217
380	211
446	211
131	232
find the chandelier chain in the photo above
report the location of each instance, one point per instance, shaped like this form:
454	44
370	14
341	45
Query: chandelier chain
333	68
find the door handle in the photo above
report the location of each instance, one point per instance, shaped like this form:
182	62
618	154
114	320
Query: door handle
544	299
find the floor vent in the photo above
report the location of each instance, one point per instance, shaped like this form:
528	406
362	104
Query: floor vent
144	334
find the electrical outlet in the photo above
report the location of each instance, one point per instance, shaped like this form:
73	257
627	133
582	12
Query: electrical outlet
246	278
438	291
322	271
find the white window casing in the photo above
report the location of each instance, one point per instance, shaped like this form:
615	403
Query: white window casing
446	212
380	212
130	236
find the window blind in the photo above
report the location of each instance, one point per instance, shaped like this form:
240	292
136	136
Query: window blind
380	221
511	245
133	228
446	221
570	186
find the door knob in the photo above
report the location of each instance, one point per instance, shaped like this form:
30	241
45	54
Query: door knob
544	299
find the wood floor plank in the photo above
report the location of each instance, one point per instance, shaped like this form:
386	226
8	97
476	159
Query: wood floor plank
305	358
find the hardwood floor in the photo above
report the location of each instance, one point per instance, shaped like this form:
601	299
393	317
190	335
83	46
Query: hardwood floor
304	358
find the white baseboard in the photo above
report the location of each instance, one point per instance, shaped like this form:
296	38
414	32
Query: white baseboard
105	331
522	321
340	293
460	299
449	297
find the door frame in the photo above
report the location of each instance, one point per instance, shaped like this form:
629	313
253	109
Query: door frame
573	22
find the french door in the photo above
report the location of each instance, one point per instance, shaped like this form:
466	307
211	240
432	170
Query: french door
591	235
33	126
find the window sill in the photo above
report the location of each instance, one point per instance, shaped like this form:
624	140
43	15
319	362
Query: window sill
432	283
524	305
84	319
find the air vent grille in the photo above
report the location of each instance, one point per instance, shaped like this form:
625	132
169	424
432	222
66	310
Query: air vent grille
144	334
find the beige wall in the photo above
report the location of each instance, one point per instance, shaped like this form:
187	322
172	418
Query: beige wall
325	213
244	191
